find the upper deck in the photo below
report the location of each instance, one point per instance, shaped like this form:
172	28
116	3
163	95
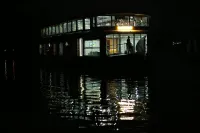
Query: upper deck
85	24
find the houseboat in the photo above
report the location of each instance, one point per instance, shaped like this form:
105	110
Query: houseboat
109	40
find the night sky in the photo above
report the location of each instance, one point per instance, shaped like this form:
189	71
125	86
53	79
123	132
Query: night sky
24	19
38	13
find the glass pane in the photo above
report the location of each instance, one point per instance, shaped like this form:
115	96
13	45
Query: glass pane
143	35
103	21
47	31
57	29
94	21
61	49
92	48
69	26
137	38
144	40
92	43
87	23
53	30
113	44
80	24
109	42
122	20
144	21
61	28
74	25
137	21
127	43
132	21
113	21
120	44
50	31
65	27
92	52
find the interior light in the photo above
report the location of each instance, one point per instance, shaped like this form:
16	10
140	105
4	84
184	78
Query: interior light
124	28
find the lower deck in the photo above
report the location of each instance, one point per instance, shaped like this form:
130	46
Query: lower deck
97	44
128	64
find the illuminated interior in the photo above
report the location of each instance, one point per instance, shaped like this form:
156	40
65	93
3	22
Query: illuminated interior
117	28
92	48
116	43
124	28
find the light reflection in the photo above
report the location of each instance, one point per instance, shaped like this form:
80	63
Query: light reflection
124	99
6	73
10	68
13	68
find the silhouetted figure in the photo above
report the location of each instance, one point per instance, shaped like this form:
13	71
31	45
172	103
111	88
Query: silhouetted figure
129	46
140	46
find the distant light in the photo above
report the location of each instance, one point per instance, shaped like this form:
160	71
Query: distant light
66	44
176	43
126	118
124	28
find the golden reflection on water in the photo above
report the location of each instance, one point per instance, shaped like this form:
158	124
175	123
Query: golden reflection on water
90	100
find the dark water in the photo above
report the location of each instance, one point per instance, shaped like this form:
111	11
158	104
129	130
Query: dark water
74	101
84	101
65	100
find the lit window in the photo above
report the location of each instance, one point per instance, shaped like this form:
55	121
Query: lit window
69	26
127	47
87	23
65	27
141	43
112	44
138	21
66	44
40	49
144	21
74	25
50	31
121	44
80	47
103	21
61	49
132	21
137	38
57	29
113	21
53	30
122	20
43	31
80	24
94	22
47	31
92	48
61	28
